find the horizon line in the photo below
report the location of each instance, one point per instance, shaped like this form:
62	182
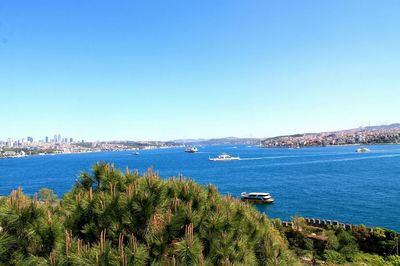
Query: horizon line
211	138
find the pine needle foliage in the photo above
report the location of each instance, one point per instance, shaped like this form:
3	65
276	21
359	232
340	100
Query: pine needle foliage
116	218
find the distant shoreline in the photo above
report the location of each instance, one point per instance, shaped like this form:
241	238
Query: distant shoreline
331	145
84	152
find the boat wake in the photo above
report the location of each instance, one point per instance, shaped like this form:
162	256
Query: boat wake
339	160
266	158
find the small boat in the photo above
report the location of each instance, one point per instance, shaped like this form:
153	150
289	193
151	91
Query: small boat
362	150
135	153
224	157
257	197
294	147
192	150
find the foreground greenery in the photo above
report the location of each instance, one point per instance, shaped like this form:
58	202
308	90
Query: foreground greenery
336	246
115	218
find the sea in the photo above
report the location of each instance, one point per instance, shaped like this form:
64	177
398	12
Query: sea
335	183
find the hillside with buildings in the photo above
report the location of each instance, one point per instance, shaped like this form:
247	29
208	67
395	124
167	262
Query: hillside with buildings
384	134
11	148
218	141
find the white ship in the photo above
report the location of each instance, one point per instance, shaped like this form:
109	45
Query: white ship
224	157
362	150
257	197
192	150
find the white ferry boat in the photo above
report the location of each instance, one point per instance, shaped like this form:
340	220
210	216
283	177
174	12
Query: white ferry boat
192	150
362	150
224	157
257	197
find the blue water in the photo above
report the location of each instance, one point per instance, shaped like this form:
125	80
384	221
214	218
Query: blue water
330	182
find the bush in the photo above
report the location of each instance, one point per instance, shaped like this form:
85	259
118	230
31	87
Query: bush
332	242
370	259
334	256
394	260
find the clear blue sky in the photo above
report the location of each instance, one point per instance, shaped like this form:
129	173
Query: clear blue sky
103	70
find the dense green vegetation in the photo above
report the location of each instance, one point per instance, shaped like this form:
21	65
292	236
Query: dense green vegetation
115	218
334	245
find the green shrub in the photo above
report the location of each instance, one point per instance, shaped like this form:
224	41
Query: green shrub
334	256
332	241
370	259
394	260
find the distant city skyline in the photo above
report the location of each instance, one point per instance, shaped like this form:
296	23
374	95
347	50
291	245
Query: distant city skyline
60	138
56	138
164	70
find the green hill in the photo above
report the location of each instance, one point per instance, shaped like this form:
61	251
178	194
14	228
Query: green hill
115	218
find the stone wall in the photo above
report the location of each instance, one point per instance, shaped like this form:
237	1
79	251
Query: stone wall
322	223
